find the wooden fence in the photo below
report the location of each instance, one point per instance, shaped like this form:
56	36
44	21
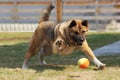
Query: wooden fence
21	11
93	9
25	11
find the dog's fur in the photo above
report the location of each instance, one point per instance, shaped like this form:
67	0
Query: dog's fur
62	38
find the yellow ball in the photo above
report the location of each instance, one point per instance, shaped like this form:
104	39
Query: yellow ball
83	63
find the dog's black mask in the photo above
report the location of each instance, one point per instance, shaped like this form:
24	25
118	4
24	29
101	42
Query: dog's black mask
78	40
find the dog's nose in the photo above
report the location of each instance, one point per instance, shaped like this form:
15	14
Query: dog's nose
81	39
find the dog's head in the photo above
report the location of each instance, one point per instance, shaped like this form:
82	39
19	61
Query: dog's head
77	31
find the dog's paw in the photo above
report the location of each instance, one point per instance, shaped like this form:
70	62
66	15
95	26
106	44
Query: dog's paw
59	42
101	66
24	66
42	63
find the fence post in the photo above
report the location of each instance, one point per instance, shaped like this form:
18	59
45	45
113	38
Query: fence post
59	9
96	13
15	12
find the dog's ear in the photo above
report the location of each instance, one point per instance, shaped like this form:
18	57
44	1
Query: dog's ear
85	23
72	23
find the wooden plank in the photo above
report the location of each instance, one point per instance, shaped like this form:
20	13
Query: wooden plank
30	10
79	0
24	3
44	2
88	3
92	17
59	10
97	8
33	3
109	10
78	3
6	3
5	11
32	17
15	12
79	10
5	17
28	18
65	2
108	17
101	10
24	0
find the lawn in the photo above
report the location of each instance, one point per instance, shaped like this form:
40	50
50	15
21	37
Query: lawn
14	45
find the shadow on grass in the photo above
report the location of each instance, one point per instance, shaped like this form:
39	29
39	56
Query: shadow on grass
111	60
49	66
12	56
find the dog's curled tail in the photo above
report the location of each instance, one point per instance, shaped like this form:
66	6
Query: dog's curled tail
46	13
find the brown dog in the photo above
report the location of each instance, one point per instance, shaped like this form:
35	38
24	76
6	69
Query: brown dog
62	38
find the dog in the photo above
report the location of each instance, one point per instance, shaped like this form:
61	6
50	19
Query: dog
62	38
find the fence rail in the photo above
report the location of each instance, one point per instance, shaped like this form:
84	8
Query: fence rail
21	11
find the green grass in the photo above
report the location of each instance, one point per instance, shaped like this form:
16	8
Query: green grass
14	45
14	38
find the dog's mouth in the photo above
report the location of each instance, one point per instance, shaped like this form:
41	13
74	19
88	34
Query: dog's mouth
78	40
79	43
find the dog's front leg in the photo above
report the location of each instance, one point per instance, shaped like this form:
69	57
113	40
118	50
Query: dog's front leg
87	50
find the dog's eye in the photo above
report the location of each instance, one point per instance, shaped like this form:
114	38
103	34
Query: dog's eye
83	31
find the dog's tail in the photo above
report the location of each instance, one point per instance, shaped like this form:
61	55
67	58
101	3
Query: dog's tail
46	13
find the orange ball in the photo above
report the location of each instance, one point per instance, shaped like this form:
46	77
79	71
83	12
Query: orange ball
83	63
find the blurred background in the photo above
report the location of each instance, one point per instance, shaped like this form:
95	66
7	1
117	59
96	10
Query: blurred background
23	15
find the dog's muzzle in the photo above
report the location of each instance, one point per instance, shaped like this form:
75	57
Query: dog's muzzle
78	40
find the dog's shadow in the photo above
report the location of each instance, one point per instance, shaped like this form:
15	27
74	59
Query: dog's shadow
39	68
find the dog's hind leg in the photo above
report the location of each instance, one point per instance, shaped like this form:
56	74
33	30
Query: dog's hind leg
44	51
27	58
33	49
41	55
